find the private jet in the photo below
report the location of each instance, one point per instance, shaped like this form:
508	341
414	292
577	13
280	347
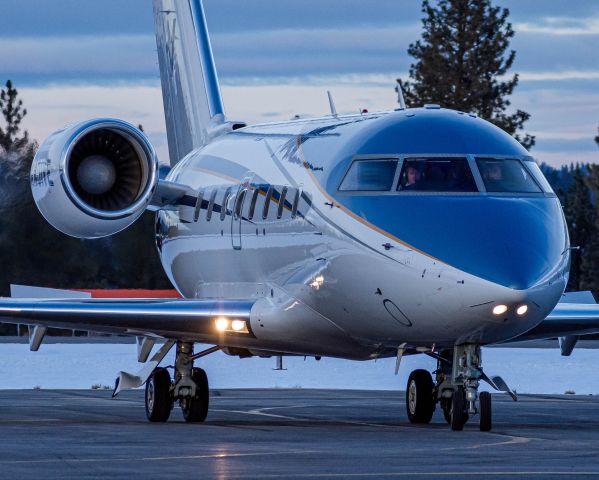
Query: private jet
413	231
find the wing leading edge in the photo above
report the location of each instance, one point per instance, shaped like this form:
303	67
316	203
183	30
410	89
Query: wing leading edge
175	319
576	315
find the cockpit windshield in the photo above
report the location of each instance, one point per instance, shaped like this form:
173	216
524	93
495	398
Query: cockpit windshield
506	175
370	176
437	175
445	175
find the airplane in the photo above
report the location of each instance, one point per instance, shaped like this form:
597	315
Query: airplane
372	235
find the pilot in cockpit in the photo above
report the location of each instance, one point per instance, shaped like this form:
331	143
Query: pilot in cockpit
412	177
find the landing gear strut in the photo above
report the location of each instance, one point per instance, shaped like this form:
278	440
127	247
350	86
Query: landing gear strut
458	376
190	388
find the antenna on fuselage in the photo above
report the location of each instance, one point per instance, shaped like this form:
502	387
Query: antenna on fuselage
332	104
400	99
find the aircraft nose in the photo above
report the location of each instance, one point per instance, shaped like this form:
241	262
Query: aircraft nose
515	242
518	243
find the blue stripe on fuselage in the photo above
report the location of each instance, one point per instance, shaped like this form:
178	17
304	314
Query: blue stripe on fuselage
513	241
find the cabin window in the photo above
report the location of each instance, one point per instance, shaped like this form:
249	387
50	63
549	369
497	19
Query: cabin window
506	175
296	200
223	208
282	199
267	203
253	203
239	203
211	205
198	207
369	176
436	175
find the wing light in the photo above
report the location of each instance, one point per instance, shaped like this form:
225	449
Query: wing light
499	309
225	325
522	309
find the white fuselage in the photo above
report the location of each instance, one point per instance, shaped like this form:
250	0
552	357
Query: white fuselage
327	282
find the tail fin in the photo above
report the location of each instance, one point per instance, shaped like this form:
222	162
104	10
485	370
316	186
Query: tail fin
190	91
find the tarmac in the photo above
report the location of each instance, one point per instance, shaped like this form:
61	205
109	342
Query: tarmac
303	434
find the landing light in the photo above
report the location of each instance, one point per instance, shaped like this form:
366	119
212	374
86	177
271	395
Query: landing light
225	325
222	324
522	309
499	309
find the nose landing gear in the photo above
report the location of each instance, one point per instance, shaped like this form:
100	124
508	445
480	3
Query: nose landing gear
458	376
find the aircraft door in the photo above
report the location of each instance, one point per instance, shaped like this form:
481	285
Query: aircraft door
237	216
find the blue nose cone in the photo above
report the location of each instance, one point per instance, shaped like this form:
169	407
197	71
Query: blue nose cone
516	242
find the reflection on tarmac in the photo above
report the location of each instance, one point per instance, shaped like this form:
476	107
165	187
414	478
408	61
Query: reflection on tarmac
291	434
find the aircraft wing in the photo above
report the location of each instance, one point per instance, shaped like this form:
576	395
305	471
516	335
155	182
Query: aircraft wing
566	319
172	318
575	316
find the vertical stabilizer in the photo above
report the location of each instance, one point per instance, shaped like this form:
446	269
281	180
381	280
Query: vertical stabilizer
192	102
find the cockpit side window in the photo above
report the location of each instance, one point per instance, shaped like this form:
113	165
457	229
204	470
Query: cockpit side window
506	175
536	172
436	175
370	176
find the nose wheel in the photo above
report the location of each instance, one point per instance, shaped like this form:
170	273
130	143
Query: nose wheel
458	415
485	411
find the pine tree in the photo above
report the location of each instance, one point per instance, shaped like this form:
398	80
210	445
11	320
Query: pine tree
581	217
597	138
460	62
590	256
13	113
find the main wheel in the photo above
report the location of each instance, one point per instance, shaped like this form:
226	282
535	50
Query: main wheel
420	403
195	409
159	401
485	411
458	410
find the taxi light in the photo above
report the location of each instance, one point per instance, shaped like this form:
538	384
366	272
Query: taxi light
238	325
499	309
522	309
222	324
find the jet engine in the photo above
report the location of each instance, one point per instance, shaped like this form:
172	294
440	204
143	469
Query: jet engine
95	178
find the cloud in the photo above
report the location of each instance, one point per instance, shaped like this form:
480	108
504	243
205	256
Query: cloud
83	56
559	76
564	122
560	26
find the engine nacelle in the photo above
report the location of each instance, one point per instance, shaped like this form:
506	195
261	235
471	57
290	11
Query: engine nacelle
95	178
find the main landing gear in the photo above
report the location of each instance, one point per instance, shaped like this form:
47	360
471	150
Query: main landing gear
455	388
190	388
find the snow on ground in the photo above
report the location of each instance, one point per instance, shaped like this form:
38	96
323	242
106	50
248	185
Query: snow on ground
80	366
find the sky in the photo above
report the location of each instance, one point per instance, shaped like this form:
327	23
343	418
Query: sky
78	59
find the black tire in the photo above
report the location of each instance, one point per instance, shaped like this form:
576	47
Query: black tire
458	410
159	401
485	411
446	407
195	409
420	403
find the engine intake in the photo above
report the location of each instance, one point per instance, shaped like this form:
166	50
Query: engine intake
95	178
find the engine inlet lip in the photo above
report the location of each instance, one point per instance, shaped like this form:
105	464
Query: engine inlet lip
143	148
